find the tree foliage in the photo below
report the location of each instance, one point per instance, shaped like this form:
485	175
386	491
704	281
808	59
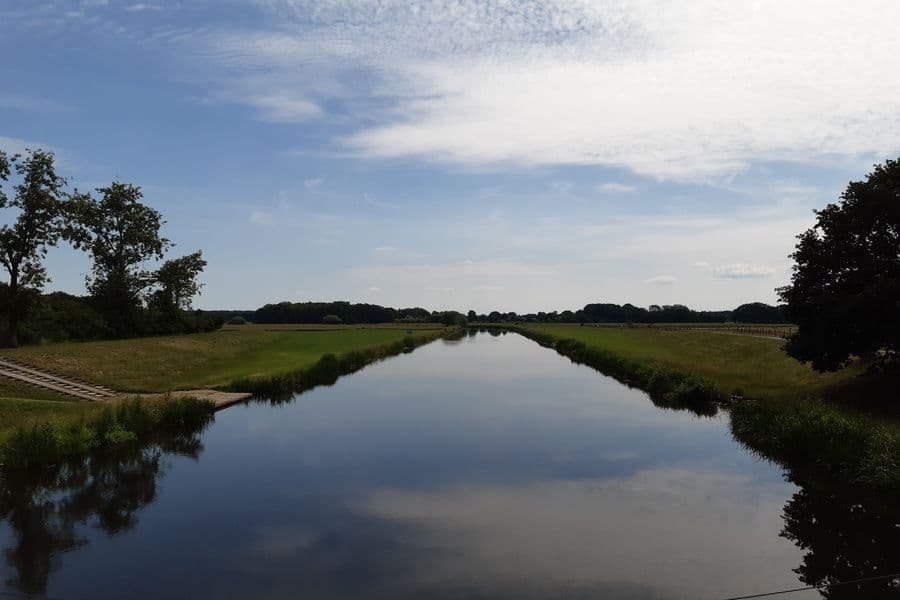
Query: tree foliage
845	290
122	235
757	312
38	199
176	283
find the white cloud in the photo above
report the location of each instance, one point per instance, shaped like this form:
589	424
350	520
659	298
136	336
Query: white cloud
142	7
701	264
314	183
683	91
615	188
375	289
12	145
742	271
662	280
282	108
258	217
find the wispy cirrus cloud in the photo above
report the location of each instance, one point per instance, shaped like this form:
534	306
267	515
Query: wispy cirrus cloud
259	217
742	271
662	280
613	187
672	91
283	108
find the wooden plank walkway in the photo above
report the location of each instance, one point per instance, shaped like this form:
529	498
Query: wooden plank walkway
83	390
68	386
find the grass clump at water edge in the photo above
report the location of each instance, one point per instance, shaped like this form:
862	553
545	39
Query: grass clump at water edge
807	435
125	422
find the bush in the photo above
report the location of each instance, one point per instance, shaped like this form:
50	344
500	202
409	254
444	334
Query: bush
332	320
237	320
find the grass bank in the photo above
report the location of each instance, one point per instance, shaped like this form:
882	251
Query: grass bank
667	386
202	360
40	427
784	417
69	434
329	367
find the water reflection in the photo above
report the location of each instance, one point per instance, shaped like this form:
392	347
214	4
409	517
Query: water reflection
845	537
46	510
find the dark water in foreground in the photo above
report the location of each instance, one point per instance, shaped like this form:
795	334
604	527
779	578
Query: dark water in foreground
484	468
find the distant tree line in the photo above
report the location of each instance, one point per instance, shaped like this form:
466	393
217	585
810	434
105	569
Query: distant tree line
354	314
120	234
342	312
755	312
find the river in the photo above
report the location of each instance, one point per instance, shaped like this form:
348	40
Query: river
485	467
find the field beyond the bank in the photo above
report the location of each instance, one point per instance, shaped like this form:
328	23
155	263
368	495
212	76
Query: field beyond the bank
755	365
160	364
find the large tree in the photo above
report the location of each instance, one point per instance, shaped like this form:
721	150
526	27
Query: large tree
845	290
122	235
38	199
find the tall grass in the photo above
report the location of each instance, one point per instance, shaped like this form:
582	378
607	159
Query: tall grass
807	436
129	421
328	368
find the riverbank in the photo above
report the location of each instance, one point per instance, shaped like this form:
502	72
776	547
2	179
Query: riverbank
205	360
263	361
63	434
787	412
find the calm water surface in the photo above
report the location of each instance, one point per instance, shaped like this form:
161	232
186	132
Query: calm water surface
482	468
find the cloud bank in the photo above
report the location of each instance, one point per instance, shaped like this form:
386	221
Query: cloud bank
675	91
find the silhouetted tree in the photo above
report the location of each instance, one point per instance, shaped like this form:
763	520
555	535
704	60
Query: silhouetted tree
845	290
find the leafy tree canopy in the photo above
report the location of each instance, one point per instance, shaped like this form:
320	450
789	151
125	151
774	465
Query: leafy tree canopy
845	290
122	235
37	199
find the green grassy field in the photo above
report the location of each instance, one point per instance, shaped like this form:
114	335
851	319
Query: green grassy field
757	366
160	364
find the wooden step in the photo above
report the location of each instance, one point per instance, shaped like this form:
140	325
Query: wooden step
54	382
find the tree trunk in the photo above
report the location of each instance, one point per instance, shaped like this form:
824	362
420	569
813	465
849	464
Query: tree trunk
14	311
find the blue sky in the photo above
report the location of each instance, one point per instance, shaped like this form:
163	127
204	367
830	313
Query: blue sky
491	154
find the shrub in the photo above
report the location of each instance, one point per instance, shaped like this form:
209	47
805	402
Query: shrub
332	320
237	320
